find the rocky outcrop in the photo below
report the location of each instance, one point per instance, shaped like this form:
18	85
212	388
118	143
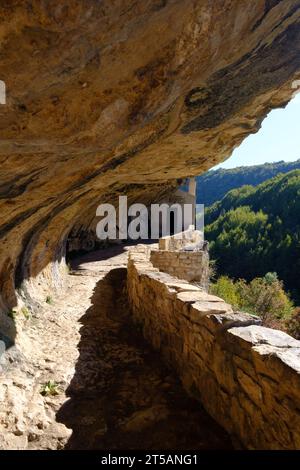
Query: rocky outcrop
246	376
120	96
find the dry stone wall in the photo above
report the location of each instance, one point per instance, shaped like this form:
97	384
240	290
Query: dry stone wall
188	265
180	240
246	376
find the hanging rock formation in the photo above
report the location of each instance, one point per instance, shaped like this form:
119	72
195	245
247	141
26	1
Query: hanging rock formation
123	96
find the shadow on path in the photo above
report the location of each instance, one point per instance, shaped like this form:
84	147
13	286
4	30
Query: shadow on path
121	396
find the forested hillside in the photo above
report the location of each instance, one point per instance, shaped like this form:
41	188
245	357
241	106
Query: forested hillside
256	230
213	185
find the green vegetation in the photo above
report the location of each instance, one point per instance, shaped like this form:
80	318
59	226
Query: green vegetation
264	297
26	312
68	268
213	185
12	313
255	230
293	324
49	388
254	235
49	300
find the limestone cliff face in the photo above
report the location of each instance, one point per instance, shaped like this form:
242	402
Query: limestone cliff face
123	95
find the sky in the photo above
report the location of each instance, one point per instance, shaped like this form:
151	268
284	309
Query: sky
278	139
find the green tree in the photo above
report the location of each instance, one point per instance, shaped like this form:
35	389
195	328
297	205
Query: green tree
227	290
253	231
264	297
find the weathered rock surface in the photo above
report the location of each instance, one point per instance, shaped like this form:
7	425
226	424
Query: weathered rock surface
123	96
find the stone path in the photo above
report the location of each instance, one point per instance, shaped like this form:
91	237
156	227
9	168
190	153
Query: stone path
113	391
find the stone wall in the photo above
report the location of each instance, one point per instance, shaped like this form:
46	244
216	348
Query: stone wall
188	265
181	240
246	376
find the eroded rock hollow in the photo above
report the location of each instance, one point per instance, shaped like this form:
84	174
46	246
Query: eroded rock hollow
122	97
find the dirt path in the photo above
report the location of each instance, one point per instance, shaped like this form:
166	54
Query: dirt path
114	391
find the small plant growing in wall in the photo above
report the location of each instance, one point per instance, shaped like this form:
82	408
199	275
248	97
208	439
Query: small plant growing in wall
50	388
68	268
12	313
26	312
49	300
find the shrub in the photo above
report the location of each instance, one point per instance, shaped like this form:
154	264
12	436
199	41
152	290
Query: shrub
263	296
227	290
293	324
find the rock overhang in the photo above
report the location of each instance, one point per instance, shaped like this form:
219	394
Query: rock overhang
112	97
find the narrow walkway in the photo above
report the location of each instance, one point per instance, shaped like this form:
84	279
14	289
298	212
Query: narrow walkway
114	392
